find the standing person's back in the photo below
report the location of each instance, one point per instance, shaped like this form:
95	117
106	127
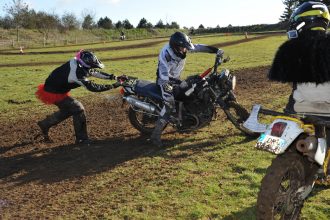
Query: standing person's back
304	61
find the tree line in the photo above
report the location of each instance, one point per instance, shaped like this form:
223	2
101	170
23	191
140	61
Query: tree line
19	15
290	5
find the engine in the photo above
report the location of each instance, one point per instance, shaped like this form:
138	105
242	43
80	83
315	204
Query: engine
198	111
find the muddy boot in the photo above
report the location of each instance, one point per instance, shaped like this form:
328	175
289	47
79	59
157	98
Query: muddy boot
155	137
50	121
80	128
44	130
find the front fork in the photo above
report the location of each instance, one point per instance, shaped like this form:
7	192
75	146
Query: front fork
322	153
326	165
222	100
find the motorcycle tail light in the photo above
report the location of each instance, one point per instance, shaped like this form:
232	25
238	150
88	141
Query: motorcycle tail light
122	91
278	129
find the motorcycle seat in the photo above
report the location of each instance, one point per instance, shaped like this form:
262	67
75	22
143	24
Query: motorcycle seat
148	89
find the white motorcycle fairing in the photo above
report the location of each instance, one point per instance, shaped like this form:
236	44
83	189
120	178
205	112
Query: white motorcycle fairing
278	145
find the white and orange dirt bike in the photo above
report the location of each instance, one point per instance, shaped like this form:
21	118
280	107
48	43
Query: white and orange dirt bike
197	99
299	141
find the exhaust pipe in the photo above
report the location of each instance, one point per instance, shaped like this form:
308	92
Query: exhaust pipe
306	145
141	105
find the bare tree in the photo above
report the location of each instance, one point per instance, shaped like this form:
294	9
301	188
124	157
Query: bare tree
7	22
88	19
18	11
70	21
46	23
88	22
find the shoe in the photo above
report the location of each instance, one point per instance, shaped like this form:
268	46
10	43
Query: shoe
44	131
155	137
84	142
156	141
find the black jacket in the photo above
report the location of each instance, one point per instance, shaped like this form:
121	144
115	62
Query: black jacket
305	62
72	75
302	60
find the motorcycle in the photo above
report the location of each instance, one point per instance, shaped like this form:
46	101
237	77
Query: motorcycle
299	141
196	102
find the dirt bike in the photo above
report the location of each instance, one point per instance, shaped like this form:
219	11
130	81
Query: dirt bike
299	141
196	101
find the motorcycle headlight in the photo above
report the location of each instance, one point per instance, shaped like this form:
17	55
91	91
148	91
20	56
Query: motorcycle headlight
233	83
228	79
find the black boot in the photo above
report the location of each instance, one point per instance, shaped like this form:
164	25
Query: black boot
80	128
50	121
157	132
44	130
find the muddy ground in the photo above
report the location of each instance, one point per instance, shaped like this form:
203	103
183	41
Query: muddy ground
26	161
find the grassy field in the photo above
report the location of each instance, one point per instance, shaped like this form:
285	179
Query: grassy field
214	173
21	82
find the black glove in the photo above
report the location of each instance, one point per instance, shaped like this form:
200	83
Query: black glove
122	78
112	77
220	53
116	84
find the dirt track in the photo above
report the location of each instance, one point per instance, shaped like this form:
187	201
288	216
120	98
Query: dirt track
219	45
32	172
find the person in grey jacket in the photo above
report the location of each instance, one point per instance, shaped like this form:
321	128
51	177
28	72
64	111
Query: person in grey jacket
171	62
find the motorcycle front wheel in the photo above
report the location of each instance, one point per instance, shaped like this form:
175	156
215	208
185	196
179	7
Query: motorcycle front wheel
237	115
142	121
277	198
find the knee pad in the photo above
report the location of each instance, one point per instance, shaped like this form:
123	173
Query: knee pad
77	107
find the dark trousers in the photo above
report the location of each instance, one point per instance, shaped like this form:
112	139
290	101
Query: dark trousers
69	107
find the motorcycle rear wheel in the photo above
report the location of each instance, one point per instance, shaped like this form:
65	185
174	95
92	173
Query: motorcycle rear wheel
278	191
143	122
237	115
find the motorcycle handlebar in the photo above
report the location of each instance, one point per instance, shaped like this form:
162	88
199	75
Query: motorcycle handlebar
219	60
126	80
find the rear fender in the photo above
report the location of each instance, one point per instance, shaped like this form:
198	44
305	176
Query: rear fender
279	145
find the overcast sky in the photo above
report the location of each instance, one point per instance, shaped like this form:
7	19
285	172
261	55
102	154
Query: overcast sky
186	13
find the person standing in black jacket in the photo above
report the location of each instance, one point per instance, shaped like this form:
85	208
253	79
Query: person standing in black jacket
57	86
304	61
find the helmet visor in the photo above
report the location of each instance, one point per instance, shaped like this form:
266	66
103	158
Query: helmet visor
189	45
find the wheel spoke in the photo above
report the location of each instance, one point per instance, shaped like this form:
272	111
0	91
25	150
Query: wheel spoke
283	204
